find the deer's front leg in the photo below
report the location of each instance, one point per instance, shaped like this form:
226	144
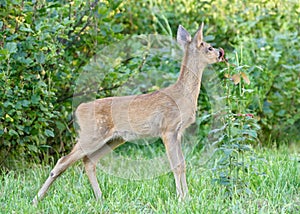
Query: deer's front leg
177	162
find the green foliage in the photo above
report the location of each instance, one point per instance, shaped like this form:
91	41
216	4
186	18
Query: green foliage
44	46
266	36
267	32
239	130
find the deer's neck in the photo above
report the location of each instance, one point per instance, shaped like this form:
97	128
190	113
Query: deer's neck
190	77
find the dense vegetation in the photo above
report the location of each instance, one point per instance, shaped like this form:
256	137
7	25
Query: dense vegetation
45	45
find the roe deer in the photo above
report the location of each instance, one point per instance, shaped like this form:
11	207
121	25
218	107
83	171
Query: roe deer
109	122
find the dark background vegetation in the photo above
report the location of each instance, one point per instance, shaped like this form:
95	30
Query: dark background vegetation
44	46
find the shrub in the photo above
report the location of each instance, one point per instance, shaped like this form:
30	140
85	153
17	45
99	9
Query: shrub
43	47
45	44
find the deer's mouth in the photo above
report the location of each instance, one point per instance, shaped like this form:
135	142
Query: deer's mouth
221	56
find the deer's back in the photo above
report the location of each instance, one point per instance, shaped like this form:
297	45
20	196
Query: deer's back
131	117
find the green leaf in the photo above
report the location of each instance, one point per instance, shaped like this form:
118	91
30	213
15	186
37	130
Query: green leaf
12	132
4	53
7	103
40	57
60	125
54	5
25	103
209	38
32	148
35	99
49	133
251	133
228	151
26	29
117	28
291	66
281	113
11	47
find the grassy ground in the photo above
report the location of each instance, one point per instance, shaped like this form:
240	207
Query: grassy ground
273	182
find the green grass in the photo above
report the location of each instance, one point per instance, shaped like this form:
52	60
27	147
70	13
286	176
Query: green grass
274	185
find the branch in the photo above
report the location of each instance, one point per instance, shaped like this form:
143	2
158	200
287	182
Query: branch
92	7
87	92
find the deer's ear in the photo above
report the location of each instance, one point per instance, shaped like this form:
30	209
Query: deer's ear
183	37
199	35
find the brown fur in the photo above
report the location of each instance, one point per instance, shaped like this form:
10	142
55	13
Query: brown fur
109	122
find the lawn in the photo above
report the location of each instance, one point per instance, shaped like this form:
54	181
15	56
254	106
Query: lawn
270	185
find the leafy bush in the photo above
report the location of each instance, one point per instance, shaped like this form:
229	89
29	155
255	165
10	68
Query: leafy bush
45	44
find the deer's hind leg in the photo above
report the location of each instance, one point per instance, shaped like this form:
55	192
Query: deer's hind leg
61	165
90	162
85	146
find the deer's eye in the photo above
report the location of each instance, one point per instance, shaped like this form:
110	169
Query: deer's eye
210	48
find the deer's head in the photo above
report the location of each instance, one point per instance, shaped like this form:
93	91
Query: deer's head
197	49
